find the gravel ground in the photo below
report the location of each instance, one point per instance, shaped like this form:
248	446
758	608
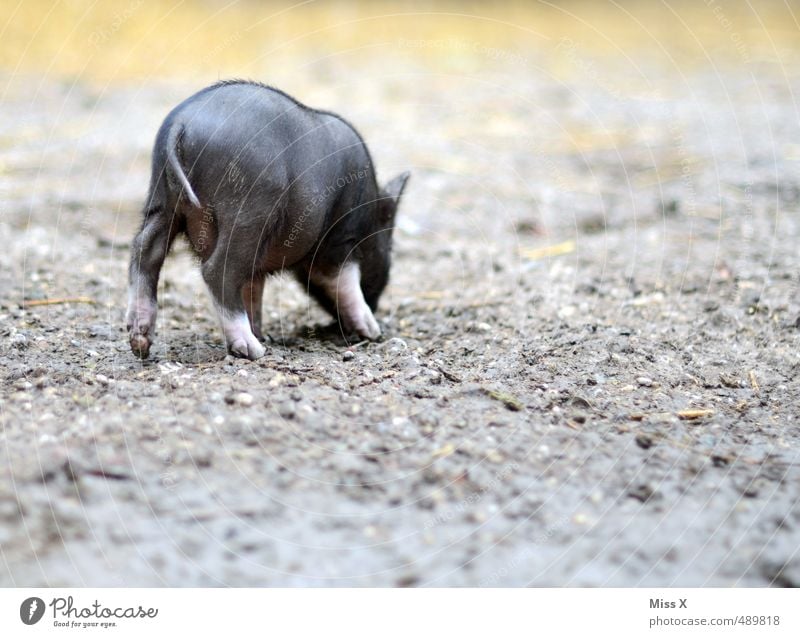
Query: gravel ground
588	374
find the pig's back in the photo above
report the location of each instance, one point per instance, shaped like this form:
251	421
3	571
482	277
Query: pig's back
272	168
249	135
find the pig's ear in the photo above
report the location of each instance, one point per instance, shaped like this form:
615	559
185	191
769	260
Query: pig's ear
391	195
395	187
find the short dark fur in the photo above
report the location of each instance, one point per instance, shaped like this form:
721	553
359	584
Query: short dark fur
258	183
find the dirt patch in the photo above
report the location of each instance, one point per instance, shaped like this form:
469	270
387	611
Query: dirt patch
588	375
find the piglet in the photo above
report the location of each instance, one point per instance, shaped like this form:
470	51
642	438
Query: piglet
258	183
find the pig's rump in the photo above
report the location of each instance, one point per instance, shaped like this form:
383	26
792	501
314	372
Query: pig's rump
250	156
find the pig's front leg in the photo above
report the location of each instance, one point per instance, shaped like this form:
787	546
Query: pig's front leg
252	295
344	288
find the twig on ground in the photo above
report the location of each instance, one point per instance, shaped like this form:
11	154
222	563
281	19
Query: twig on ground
694	414
448	375
754	382
508	400
554	250
72	299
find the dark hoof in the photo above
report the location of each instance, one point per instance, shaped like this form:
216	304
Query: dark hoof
140	346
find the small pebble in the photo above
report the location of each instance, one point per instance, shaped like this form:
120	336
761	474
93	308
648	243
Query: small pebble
494	456
348	355
241	398
396	345
287	410
370	531
277	380
18	340
644	381
644	441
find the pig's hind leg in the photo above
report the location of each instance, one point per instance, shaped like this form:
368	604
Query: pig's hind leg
227	280
148	251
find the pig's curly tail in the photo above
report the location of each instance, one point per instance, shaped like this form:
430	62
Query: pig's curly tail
173	140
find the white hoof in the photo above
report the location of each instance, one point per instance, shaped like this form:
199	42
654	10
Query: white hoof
345	290
364	324
240	338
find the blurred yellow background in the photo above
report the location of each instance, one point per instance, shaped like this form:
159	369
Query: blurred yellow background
122	40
